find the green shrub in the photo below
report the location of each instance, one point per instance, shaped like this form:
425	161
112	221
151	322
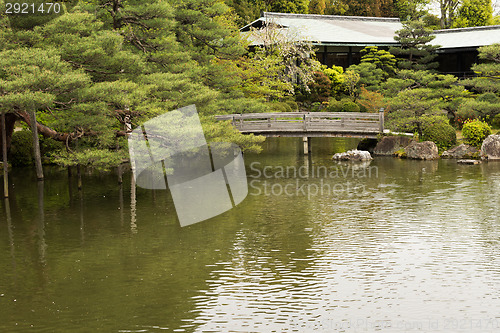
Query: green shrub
292	104
334	105
21	150
488	97
320	88
465	114
350	107
400	153
475	131
438	130
362	108
496	121
279	107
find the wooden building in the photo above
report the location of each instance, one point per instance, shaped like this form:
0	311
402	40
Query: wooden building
339	39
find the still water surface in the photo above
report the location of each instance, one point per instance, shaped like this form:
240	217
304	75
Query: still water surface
410	247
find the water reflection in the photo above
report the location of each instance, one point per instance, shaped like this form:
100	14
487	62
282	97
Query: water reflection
133	204
10	232
419	246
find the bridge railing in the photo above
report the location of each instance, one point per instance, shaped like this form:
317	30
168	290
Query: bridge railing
307	121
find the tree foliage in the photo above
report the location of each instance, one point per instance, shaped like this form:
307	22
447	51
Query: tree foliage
374	8
351	80
411	10
105	66
474	13
335	74
369	75
413	95
475	131
372	101
486	85
380	58
296	54
448	10
417	53
317	7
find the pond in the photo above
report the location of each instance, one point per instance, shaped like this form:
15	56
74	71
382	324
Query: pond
392	246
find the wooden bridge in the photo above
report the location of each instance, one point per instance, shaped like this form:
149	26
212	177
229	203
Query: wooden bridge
309	124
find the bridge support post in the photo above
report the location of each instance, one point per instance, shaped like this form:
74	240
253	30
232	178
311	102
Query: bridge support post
307	145
381	119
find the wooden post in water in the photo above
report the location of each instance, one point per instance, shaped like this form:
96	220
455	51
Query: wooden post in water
4	158
36	146
381	119
306	145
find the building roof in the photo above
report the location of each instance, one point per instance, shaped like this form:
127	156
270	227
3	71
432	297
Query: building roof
466	38
334	30
362	31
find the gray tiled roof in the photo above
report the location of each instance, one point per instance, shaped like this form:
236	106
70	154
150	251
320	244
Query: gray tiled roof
336	30
467	37
362	31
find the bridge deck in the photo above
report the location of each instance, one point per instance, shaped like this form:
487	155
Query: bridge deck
309	124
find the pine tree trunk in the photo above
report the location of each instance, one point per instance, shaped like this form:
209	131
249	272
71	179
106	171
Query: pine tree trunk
36	147
10	120
4	158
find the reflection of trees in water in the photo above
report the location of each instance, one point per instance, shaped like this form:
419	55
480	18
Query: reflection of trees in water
98	265
42	246
275	149
11	237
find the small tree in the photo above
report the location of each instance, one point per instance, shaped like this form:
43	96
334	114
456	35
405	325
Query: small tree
381	58
351	80
369	75
335	74
413	95
417	53
320	88
295	53
262	76
372	101
488	72
486	83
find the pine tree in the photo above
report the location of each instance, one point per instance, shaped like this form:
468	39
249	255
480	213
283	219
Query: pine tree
132	60
414	39
486	85
415	95
381	58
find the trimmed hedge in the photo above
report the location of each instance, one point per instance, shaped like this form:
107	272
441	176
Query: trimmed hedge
475	131
438	130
